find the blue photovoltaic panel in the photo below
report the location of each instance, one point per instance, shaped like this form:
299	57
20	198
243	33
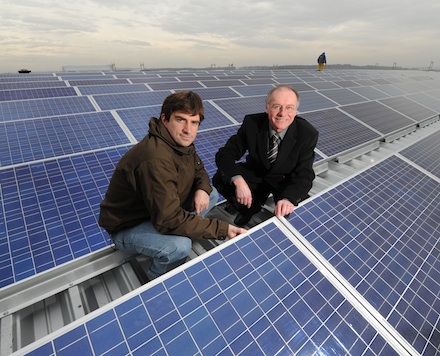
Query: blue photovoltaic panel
300	87
31	85
216	93
103	81
347	83
425	153
390	89
137	120
378	116
251	90
111	89
256	296
370	93
130	100
259	81
343	96
49	212
31	140
311	100
26	109
28	78
221	83
184	85
324	85
208	142
365	82
6	95
214	118
239	107
381	231
338	132
409	108
426	100
150	80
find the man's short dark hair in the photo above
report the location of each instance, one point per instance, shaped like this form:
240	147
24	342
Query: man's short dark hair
186	101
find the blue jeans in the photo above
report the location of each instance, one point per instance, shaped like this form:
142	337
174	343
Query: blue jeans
167	251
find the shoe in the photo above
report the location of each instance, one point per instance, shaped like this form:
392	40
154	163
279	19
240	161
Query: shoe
244	217
230	208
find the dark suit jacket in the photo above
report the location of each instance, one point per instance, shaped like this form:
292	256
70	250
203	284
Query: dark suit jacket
290	176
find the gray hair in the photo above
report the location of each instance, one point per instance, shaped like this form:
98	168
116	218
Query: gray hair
271	91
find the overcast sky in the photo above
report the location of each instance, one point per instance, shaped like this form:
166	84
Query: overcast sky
45	35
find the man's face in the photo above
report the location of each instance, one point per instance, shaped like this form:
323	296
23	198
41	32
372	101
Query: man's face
182	127
281	108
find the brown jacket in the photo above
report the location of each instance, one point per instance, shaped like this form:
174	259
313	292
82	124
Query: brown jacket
151	182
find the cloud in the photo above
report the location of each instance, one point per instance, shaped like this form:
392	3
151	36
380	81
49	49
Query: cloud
196	32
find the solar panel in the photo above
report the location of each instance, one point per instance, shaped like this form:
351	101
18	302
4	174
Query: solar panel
426	100
425	153
324	85
130	100
23	94
49	211
338	132
251	90
227	82
310	101
409	108
343	96
31	85
347	83
370	93
390	90
258	295
103	81
381	231
216	93
25	109
176	85
112	89
378	116
237	108
32	140
208	143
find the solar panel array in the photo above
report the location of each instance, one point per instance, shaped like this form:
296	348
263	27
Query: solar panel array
377	233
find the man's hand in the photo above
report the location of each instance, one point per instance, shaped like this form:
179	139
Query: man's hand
283	207
234	231
242	192
201	201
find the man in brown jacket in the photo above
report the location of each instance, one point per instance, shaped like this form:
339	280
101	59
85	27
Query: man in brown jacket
160	192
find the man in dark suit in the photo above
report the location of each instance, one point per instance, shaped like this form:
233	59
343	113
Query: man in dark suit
280	158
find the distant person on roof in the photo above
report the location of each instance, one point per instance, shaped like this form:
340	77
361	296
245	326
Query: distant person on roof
322	60
280	154
160	192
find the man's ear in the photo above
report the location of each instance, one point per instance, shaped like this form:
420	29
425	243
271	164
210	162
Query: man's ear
162	118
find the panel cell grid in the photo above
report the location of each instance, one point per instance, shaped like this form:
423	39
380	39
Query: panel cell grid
310	101
258	296
378	116
6	95
25	109
49	210
112	89
130	100
239	107
425	153
31	140
381	231
409	108
339	131
343	96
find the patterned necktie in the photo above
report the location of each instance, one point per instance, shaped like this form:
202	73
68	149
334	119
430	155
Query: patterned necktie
273	148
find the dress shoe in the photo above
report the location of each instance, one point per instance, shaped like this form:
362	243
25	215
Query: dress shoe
245	216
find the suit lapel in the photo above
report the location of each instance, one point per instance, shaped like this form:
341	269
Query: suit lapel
262	143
